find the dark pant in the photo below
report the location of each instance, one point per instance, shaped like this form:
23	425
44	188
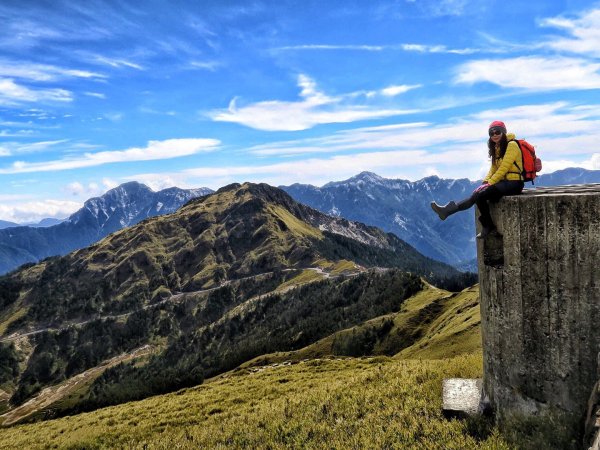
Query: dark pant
492	193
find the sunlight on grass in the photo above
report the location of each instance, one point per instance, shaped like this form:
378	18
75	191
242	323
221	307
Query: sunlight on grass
338	403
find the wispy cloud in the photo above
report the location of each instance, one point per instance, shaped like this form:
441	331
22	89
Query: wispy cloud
113	62
456	148
368	48
33	211
534	73
96	95
399	164
90	189
548	122
407	47
314	108
17	148
42	72
16	133
12	93
420	48
392	91
155	150
583	31
446	7
206	65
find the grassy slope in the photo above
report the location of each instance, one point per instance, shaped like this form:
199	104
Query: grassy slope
346	403
432	324
360	402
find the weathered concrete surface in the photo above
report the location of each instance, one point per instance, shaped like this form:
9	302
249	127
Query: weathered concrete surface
540	302
592	421
461	396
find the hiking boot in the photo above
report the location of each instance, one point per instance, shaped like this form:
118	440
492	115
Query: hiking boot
444	211
488	231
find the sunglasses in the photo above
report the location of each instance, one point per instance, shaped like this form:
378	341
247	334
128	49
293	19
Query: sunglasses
496	132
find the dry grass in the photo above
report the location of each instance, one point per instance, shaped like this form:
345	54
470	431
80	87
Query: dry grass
342	403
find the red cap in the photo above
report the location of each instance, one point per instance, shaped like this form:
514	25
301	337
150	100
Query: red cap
497	124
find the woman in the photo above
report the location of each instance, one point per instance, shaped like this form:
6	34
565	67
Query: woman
504	178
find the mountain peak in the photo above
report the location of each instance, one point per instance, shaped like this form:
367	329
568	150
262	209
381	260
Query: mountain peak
363	177
368	176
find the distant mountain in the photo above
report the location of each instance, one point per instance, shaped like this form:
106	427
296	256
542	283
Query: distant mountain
120	207
573	175
402	207
44	223
6	224
207	287
48	222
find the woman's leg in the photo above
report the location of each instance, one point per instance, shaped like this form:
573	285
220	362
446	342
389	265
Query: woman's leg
494	193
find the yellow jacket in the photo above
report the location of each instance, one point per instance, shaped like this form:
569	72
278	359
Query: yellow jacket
504	168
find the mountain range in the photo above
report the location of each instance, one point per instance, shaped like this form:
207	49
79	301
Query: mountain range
48	222
228	277
397	206
402	207
120	207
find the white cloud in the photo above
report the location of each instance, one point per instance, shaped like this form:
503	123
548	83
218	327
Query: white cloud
158	182
16	133
552	165
95	94
584	33
315	108
91	189
418	48
449	7
369	48
12	93
41	72
421	48
206	65
566	135
115	62
114	116
392	91
155	150
109	183
75	188
34	211
557	129
16	148
532	73
319	170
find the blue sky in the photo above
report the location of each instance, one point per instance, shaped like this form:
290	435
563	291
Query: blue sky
205	93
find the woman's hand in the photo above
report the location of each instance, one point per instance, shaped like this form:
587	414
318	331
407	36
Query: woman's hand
483	186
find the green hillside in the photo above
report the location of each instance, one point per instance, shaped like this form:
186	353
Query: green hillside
432	324
311	398
324	403
178	298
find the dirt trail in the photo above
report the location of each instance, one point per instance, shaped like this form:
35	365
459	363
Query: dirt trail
52	394
175	297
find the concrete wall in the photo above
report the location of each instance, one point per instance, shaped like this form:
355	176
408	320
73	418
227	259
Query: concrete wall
540	302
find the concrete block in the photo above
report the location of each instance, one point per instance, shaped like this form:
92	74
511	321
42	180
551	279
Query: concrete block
540	302
461	396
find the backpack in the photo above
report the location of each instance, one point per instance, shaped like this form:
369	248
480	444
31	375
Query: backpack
531	163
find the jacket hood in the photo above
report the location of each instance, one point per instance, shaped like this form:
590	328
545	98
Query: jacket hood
511	136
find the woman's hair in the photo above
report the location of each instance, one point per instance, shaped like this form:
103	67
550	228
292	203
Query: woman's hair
492	147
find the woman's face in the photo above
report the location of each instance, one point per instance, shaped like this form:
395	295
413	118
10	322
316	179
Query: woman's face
495	135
